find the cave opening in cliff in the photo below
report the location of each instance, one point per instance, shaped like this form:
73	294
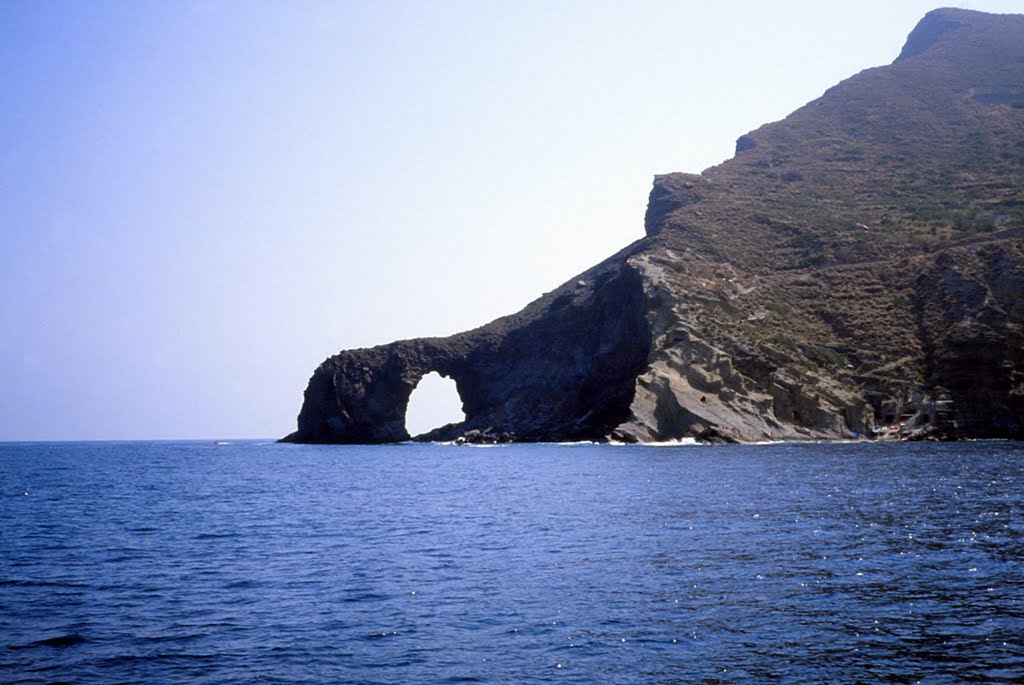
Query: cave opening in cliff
434	403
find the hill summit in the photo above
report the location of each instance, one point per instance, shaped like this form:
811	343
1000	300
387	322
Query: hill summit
857	269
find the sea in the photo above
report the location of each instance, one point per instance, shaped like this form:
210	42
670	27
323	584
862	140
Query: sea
258	562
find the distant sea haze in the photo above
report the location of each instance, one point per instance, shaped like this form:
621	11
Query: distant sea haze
419	563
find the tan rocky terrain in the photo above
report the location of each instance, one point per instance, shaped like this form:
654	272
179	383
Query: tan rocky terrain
857	269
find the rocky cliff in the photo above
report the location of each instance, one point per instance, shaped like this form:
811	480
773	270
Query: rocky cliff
857	269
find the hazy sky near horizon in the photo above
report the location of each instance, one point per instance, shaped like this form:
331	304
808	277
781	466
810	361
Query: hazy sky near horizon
203	200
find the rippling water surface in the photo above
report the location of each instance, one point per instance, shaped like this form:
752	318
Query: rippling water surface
253	563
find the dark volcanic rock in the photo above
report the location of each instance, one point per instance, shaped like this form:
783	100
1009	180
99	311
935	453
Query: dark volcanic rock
565	366
972	320
744	143
930	29
857	271
670	192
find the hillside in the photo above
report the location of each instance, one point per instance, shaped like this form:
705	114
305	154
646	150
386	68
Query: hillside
856	269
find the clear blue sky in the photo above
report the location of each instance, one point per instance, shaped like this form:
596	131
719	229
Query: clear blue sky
203	200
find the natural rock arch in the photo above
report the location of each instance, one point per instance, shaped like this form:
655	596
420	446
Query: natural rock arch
434	404
563	368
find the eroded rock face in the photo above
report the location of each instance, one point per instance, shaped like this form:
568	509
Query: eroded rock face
670	192
705	379
563	367
929	30
972	318
832	280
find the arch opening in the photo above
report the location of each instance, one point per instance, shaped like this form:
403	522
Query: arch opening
434	403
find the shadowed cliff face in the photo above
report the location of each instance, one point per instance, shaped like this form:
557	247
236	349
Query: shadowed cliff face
972	319
929	30
563	367
857	268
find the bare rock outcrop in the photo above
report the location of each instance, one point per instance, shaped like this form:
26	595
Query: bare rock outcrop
564	367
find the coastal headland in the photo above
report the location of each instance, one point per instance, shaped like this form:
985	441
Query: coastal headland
855	270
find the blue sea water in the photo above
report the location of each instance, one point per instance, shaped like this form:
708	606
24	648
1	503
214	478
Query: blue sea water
162	562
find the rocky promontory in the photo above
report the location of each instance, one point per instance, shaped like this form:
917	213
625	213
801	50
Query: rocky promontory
857	269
